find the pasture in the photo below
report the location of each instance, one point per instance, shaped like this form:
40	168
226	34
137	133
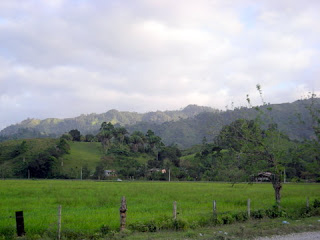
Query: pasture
87	205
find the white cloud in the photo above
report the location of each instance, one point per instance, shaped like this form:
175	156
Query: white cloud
60	58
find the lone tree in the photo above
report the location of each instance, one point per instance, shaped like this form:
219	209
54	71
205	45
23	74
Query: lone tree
257	149
258	145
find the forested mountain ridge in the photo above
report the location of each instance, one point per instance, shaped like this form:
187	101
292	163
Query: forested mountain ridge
90	123
293	119
184	127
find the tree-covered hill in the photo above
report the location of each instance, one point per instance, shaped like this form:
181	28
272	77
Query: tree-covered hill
184	127
90	123
292	118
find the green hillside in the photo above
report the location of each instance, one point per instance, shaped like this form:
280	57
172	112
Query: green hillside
81	154
84	156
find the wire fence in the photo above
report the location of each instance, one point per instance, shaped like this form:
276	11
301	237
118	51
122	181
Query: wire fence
91	219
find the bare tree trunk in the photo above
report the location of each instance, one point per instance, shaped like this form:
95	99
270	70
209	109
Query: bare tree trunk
277	185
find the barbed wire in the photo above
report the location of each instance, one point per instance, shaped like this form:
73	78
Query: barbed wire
49	215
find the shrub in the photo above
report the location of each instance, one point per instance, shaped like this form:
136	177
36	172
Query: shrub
240	216
172	224
275	212
227	219
316	203
217	220
162	223
302	212
144	227
315	212
179	224
258	214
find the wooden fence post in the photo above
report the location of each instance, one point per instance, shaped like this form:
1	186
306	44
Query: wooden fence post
123	213
59	222
174	210
307	203
248	205
20	223
214	205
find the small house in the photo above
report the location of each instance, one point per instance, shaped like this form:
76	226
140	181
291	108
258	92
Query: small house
152	170
263	177
109	173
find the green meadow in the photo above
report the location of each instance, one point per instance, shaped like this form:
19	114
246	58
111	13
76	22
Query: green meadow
81	154
87	205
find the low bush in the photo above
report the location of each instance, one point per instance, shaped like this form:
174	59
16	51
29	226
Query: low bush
275	212
316	203
168	223
258	214
240	216
227	219
144	227
163	223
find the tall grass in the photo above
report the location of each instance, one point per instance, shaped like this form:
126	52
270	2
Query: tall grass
87	205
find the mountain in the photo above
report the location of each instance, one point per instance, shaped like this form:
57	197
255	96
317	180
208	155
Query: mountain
90	123
184	127
292	118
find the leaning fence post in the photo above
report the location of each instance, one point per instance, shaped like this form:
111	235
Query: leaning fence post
59	222
214	206
123	214
20	223
248	205
174	210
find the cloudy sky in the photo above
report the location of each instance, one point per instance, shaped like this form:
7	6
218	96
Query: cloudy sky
61	58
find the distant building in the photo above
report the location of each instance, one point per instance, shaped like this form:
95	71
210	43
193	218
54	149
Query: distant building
110	173
263	177
152	170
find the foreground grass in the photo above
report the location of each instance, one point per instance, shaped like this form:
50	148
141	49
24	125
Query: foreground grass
87	205
248	230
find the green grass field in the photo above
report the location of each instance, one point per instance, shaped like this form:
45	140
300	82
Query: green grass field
87	205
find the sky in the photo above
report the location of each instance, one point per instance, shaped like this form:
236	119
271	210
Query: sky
63	58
